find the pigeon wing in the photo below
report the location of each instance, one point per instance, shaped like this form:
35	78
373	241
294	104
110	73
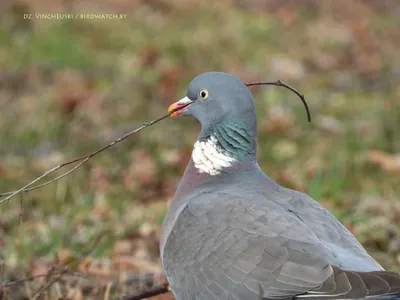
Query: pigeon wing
226	246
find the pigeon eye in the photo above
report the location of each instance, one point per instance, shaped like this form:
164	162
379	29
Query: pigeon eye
204	94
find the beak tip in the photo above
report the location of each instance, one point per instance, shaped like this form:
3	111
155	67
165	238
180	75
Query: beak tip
180	104
171	108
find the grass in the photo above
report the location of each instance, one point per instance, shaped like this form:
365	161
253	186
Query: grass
68	87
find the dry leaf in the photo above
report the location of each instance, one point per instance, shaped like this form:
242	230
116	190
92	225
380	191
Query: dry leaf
72	89
2	171
386	161
148	57
123	247
39	267
129	263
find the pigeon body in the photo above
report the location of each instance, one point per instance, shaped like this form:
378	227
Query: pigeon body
232	233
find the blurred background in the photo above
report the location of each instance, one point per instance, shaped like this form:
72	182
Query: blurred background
70	86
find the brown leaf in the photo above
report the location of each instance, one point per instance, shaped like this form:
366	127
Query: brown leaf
2	171
78	294
85	264
123	247
72	89
386	161
168	296
148	57
38	267
288	14
279	124
129	262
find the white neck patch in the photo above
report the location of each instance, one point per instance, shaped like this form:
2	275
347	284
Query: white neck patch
209	158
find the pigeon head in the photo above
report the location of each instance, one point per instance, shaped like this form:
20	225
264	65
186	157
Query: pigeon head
214	97
224	106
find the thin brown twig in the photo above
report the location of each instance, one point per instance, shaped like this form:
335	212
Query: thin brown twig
48	284
147	279
50	181
285	85
31	278
157	290
82	160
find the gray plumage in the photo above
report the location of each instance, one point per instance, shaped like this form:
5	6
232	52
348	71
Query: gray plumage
236	234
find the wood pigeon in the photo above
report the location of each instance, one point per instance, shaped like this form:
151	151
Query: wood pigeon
232	233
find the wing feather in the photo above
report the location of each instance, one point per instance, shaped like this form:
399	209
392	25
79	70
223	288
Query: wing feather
235	248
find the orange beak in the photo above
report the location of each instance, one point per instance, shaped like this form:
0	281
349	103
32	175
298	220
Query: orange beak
179	107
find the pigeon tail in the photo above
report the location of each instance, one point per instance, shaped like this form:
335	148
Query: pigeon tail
389	297
344	284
